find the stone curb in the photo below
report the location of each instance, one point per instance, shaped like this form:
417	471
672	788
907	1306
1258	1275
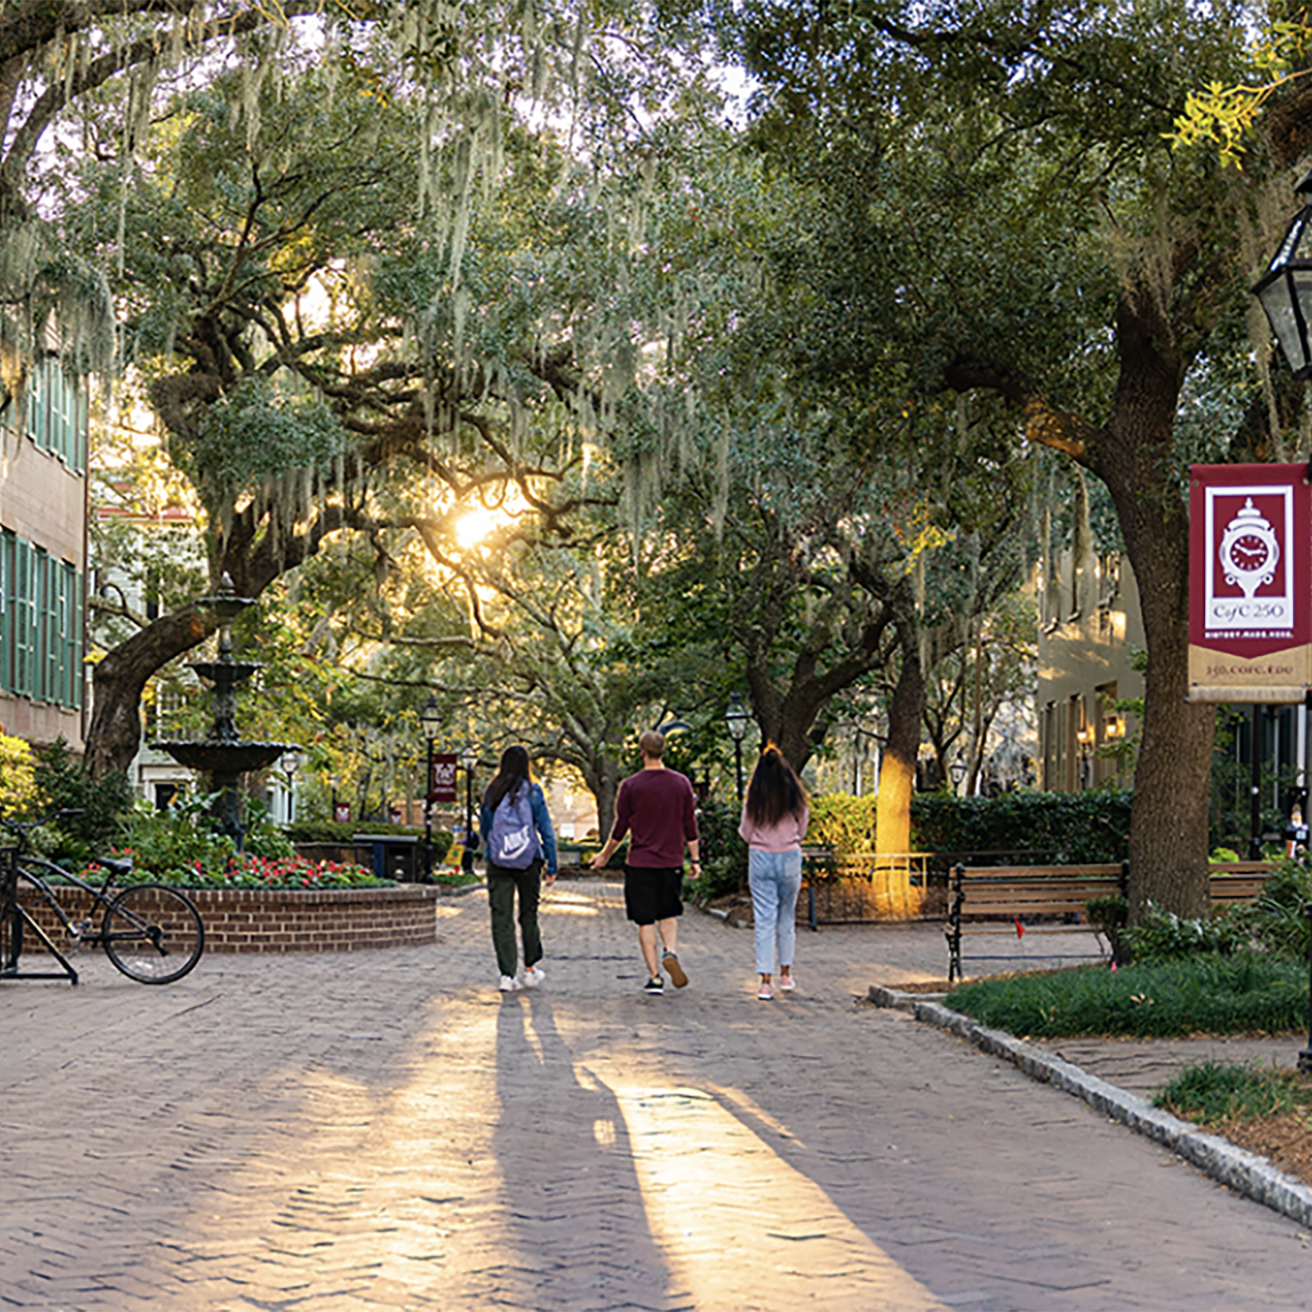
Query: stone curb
1242	1171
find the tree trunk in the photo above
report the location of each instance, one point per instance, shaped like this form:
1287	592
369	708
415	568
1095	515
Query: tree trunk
603	781
897	770
114	734
1168	818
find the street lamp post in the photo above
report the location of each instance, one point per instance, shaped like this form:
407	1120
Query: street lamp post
736	718
430	721
290	761
1285	294
958	772
469	759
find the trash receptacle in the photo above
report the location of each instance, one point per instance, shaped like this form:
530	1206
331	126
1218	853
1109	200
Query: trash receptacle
391	856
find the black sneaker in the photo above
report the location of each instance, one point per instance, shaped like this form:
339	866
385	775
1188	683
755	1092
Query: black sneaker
654	985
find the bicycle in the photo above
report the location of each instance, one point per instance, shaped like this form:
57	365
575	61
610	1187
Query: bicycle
151	932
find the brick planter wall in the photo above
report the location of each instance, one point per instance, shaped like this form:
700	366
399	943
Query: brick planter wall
283	920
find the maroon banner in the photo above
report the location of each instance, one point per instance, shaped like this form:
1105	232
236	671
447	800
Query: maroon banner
342	813
442	786
1250	583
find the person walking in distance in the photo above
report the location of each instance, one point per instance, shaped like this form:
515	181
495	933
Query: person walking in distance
773	825
657	809
517	833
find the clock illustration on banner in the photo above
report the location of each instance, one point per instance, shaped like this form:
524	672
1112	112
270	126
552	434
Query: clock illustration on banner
1249	550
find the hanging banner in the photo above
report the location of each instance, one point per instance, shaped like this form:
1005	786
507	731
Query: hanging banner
1250	583
442	786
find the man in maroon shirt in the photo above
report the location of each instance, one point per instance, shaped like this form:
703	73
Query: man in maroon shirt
657	808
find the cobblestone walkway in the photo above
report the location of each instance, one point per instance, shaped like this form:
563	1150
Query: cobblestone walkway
385	1130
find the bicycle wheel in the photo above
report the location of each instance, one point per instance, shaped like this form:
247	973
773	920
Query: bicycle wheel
153	934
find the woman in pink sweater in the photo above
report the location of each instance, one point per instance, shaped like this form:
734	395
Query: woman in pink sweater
775	814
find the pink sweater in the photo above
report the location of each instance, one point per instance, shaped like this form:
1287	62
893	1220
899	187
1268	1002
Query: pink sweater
786	836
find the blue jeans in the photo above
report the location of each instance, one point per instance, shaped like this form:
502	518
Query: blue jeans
775	879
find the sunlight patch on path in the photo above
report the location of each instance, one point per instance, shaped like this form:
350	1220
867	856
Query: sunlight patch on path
740	1227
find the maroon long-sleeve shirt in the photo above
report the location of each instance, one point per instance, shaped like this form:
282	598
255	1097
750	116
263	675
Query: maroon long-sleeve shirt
658	810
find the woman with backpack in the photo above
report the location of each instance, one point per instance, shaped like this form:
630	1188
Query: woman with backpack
775	816
517	835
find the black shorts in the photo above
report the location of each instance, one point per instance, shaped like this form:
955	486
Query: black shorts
651	893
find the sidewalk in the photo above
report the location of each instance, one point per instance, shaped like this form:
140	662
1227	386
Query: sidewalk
385	1130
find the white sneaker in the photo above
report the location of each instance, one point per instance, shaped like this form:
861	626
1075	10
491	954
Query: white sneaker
533	976
509	984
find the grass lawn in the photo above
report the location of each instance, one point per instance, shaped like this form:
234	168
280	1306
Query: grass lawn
1239	994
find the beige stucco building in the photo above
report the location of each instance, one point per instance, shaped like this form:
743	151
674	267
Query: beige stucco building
1090	630
43	556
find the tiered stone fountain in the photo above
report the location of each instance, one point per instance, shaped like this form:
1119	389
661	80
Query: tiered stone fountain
222	754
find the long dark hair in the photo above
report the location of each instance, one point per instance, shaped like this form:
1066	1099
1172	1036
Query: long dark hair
512	772
775	790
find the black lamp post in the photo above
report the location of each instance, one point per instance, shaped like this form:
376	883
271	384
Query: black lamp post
1285	293
469	759
736	718
333	783
431	721
290	761
1285	289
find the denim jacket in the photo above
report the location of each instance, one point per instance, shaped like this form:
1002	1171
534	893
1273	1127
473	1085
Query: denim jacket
545	836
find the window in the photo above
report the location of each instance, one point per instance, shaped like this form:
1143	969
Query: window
55	414
40	624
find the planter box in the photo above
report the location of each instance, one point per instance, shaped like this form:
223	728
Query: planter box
284	920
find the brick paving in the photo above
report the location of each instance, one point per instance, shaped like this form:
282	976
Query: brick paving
384	1130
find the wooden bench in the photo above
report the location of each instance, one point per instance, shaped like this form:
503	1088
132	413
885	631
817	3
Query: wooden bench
1236	881
1017	892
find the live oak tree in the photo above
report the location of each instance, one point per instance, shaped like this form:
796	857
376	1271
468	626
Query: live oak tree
288	232
1031	236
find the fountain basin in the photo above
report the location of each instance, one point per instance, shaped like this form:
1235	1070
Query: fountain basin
217	756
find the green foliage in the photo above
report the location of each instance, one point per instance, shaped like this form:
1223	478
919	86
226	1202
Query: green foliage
842	822
95	806
264	838
1276	919
1213	994
1217	1092
1163	936
724	854
252	434
1070	828
178	844
181	846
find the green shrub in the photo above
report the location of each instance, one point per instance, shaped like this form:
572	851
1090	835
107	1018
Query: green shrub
1210	994
94	807
328	831
178	843
842	822
1071	828
1164	936
724	854
1276	919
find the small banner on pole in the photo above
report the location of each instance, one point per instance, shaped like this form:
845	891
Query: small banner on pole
442	786
1250	583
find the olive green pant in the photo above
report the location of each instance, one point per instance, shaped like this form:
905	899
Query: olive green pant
502	885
